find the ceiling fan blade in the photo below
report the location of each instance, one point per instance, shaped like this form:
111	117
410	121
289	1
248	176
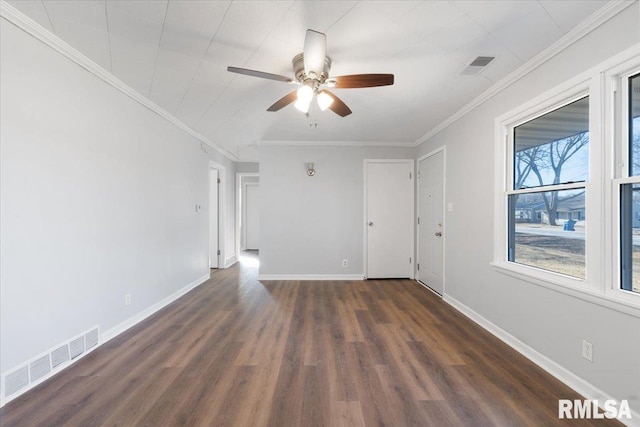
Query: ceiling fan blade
315	50
338	106
260	74
284	101
363	80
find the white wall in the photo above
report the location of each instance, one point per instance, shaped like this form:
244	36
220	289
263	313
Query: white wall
308	225
98	201
552	323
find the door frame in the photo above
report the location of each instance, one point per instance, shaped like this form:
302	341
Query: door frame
239	205
442	149
365	244
244	211
222	208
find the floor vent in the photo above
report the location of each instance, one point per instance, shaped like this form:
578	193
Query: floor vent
60	355
38	369
91	338
17	380
77	347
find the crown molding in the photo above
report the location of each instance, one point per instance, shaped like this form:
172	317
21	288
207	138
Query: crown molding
598	18
20	20
267	143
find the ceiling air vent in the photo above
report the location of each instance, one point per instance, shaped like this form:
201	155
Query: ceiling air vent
477	65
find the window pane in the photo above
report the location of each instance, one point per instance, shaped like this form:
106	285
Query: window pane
547	231
634	125
630	237
554	148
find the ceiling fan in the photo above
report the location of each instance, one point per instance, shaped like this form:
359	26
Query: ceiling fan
311	70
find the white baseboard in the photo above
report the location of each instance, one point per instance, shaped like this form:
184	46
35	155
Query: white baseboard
311	277
103	338
230	260
586	389
132	321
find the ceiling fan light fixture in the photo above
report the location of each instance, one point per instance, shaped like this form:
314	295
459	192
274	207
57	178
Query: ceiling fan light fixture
324	100
305	95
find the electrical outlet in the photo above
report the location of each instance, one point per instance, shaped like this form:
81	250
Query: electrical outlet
587	350
345	263
127	299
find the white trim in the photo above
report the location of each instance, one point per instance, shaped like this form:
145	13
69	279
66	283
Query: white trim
230	261
31	27
442	149
267	143
412	251
243	241
222	211
134	320
54	370
310	277
576	88
239	206
601	16
585	388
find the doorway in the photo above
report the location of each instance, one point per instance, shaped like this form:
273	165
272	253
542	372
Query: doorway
251	217
214	223
431	229
388	229
217	207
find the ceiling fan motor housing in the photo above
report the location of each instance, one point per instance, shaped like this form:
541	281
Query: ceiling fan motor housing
303	78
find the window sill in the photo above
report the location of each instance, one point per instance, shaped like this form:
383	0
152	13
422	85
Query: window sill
571	287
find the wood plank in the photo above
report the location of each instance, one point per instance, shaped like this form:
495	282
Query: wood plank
238	352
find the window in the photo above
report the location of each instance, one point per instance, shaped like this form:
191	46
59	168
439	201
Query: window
546	203
567	214
630	194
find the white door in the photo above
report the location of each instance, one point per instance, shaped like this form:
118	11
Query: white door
389	218
213	218
430	221
252	217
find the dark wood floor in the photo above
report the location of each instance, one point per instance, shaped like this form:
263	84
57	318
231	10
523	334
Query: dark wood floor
236	351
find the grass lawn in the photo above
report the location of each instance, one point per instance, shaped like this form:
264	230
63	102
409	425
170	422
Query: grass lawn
562	255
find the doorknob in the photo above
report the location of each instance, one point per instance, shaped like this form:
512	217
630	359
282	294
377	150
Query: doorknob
438	234
370	223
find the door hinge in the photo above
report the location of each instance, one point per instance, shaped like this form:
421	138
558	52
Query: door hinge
218	251
409	260
418	266
218	180
418	175
418	220
409	175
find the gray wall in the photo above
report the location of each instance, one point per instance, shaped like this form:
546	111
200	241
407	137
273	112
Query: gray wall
98	201
308	225
247	167
552	323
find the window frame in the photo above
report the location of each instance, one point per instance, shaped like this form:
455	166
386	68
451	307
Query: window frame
606	84
572	91
617	87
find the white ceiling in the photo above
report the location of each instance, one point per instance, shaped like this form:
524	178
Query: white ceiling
176	53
